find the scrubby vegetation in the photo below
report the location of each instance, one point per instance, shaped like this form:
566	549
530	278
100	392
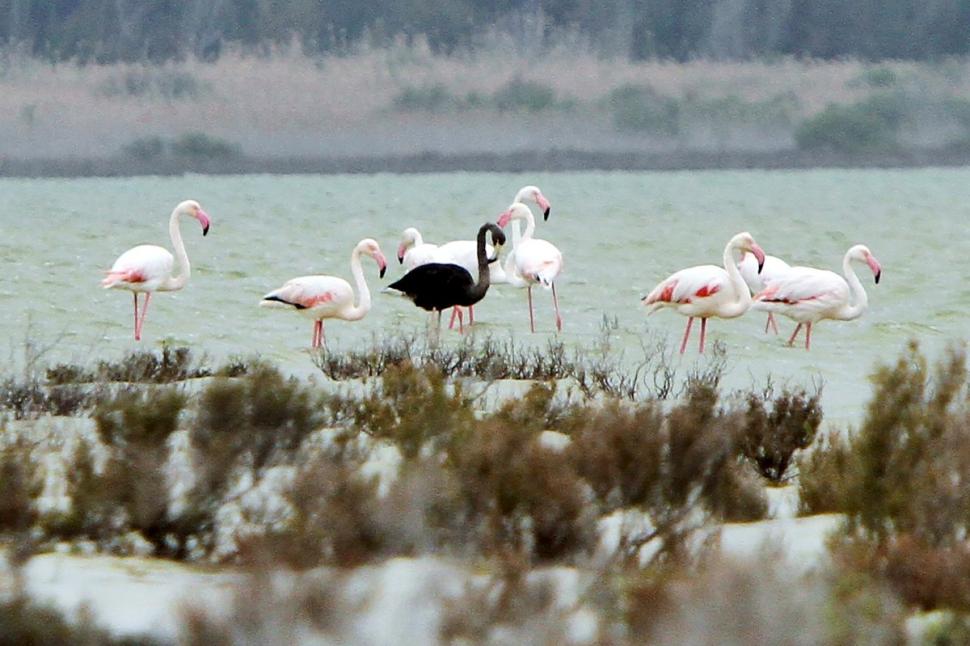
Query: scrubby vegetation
264	470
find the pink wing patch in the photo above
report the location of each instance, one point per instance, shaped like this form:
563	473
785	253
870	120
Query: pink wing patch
313	301
664	293
707	290
126	276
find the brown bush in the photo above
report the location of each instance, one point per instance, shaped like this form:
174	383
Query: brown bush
19	486
775	427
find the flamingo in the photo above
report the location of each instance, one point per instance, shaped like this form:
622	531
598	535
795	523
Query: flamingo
773	269
329	297
808	295
148	268
535	261
437	286
413	251
707	290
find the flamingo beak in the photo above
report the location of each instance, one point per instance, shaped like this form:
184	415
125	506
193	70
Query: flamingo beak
874	266
503	220
544	205
400	254
381	262
203	218
759	254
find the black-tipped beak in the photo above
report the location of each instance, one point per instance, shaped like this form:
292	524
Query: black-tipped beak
400	260
761	265
205	230
878	274
545	214
383	270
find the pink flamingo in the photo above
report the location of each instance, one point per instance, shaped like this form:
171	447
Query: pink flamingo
535	261
808	295
148	268
329	297
707	290
773	269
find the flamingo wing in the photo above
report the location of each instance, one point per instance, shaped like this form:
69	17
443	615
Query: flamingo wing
804	288
774	268
321	294
687	286
538	261
141	268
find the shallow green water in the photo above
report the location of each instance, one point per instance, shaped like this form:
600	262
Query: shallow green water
620	234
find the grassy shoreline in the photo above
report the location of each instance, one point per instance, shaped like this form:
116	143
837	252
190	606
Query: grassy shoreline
429	162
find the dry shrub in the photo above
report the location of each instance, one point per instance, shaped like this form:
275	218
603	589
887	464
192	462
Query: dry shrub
141	366
903	482
92	512
19	486
620	451
412	406
823	475
23	621
136	425
775	427
520	495
721	601
336	519
705	462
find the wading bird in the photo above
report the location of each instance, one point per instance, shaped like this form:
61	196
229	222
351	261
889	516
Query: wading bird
438	286
535	261
148	268
808	295
708	290
773	269
329	297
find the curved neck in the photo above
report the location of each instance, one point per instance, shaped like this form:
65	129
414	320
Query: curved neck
742	294
530	226
478	290
417	241
184	270
363	293
858	299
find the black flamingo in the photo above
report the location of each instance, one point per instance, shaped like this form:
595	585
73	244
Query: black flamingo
437	286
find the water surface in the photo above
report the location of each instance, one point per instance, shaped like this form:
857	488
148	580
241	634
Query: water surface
620	234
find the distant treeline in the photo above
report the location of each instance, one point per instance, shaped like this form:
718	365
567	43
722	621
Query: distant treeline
160	30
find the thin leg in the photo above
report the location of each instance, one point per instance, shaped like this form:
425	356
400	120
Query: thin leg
555	302
323	334
683	344
703	333
770	323
461	321
454	315
137	331
471	315
316	335
808	336
791	341
532	318
144	313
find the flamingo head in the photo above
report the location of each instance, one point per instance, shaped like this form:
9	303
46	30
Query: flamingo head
861	252
518	211
745	242
192	208
372	249
533	193
409	238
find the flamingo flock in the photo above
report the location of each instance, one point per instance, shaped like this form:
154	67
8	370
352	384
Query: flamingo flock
459	274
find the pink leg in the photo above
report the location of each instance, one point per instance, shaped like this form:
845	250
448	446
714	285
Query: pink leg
791	341
808	336
144	313
471	315
771	323
532	318
454	315
137	335
703	333
461	321
323	334
683	344
316	335
555	301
